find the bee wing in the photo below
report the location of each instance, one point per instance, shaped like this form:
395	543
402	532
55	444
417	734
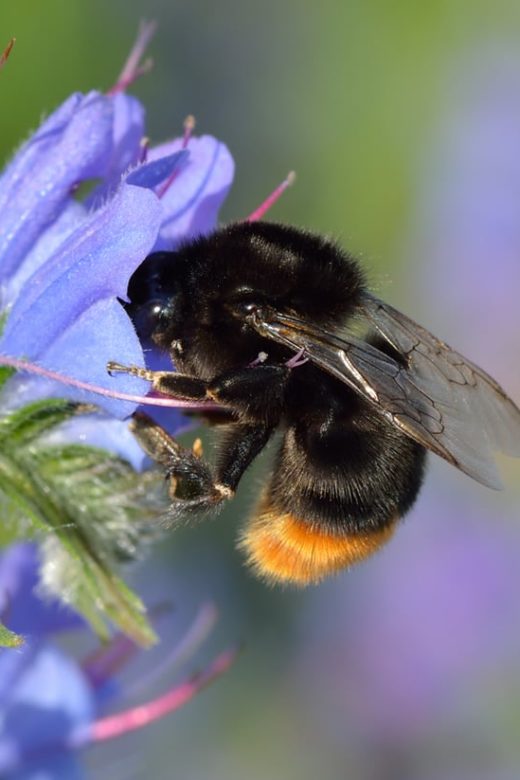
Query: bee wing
434	396
434	362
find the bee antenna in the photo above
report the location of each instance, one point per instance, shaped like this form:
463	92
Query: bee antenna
272	198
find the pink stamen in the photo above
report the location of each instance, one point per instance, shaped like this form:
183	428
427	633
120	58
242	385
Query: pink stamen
148	400
144	147
262	357
6	52
192	639
297	360
272	198
189	125
110	658
132	69
138	717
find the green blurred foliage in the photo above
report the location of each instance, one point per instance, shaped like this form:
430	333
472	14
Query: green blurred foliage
345	93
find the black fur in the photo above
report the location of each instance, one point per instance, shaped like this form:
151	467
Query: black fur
340	463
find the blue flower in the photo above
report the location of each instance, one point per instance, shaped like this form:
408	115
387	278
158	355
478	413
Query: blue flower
51	706
65	261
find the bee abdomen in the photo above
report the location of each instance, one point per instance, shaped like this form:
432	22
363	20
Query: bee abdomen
285	548
336	492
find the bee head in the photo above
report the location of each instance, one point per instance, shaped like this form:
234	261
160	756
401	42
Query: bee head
153	296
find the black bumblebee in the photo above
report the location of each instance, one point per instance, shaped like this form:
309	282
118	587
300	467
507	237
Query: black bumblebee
366	394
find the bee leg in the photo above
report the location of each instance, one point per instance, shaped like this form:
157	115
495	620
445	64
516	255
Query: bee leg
190	478
186	388
256	393
193	486
240	446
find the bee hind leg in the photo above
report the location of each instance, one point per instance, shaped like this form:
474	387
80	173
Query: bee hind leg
190	480
193	487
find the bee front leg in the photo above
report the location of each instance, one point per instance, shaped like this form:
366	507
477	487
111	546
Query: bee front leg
181	386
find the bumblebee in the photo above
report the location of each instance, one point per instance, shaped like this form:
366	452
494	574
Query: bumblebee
277	327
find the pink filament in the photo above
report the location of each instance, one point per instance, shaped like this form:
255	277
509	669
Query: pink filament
189	125
144	714
6	52
132	70
272	198
148	400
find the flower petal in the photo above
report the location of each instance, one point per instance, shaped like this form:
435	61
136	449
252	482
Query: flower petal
128	133
192	202
100	334
73	145
152	173
49	130
48	701
70	219
95	263
21	609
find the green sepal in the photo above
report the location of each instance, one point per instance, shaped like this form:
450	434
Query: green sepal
89	508
5	373
9	638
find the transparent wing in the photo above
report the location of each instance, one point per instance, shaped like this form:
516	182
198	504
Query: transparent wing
433	395
435	366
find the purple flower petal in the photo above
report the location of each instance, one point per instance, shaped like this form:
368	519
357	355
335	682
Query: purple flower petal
73	145
16	170
192	202
20	608
100	334
48	701
128	132
71	218
71	299
152	173
94	263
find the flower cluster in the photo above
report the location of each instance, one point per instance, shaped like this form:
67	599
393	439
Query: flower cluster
65	260
51	705
82	203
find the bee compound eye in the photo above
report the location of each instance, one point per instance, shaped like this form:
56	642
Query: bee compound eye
147	316
243	306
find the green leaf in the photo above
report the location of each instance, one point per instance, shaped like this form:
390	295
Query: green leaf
5	374
29	422
93	511
9	638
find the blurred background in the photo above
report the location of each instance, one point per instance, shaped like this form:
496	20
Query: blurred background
402	120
